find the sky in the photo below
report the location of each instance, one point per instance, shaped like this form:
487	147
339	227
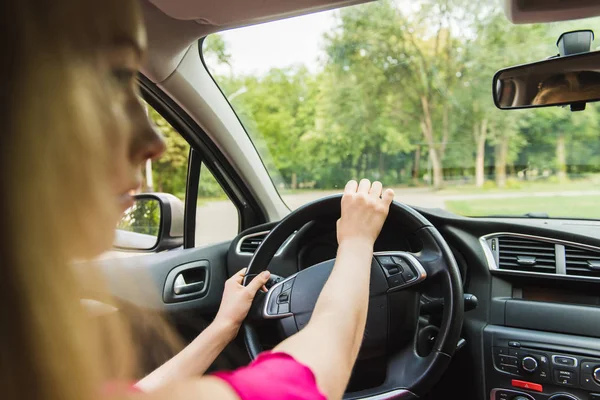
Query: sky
278	44
256	49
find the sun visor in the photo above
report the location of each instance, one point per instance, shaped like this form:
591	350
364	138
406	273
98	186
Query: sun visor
534	11
231	13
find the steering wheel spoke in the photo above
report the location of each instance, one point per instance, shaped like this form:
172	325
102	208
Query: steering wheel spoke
401	269
395	286
278	299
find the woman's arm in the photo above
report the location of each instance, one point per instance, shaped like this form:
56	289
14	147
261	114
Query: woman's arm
330	342
195	359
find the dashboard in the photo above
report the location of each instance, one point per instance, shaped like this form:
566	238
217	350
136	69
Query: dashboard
535	334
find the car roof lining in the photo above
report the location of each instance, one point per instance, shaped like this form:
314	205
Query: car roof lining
173	25
537	11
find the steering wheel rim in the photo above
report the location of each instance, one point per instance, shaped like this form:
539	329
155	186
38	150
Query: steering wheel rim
408	374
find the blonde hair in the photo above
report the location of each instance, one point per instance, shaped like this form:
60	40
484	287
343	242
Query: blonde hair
565	88
56	200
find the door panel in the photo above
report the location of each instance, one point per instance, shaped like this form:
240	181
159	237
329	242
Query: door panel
140	280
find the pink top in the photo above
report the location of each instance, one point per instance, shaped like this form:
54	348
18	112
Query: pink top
273	376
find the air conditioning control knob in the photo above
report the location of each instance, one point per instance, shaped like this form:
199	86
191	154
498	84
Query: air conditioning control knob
530	364
596	374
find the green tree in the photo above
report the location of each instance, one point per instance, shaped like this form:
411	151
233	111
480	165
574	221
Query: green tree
170	170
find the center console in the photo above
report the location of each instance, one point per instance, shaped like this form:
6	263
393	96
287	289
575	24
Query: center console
533	365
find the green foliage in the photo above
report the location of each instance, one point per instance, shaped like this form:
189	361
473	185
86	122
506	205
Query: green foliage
170	170
404	93
142	217
487	185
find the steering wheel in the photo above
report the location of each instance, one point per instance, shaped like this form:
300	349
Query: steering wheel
397	280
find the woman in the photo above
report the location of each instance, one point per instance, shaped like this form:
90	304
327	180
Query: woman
568	87
74	138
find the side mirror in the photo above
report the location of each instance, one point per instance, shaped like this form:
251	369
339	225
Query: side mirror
154	223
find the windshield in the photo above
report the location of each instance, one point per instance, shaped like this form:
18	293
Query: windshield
401	92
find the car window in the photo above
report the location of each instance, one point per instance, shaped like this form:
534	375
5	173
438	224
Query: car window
217	218
401	92
167	174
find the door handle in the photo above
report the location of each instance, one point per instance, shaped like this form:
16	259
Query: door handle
187	281
180	286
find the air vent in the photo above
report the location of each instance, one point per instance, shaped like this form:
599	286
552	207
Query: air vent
521	254
582	262
250	243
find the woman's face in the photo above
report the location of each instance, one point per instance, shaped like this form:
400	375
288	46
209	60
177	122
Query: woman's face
141	141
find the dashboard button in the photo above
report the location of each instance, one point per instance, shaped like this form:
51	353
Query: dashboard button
543	375
509	368
529	364
527	385
502	351
508	360
566	378
516	352
587	382
564	360
514	344
587	367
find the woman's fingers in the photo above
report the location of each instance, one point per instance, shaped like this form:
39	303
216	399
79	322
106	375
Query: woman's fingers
376	189
351	187
258	282
388	197
239	276
364	186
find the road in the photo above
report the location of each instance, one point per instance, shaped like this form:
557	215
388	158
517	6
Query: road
217	221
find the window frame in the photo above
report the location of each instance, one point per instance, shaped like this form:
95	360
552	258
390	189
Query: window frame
203	151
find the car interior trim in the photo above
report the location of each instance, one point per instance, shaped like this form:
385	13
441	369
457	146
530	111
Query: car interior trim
559	256
394	394
265	312
421	273
238	247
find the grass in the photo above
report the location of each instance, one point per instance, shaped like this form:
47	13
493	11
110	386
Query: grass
555	206
204	200
524	186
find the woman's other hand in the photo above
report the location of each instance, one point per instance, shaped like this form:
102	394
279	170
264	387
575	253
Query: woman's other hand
237	298
364	210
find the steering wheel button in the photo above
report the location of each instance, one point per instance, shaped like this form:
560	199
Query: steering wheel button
393	271
284	308
385	261
288	285
273	307
408	275
283	298
395	281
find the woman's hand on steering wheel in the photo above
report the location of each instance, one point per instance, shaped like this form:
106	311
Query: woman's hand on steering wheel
364	210
237	298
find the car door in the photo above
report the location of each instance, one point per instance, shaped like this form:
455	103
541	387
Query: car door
184	283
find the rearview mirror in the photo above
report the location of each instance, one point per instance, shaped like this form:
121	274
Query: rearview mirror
154	223
573	80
